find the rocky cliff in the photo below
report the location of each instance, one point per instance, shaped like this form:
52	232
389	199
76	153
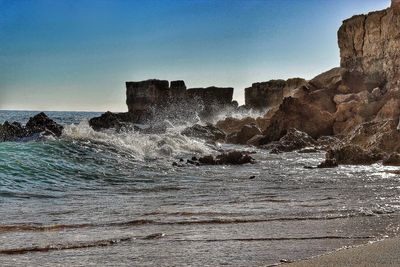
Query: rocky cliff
370	49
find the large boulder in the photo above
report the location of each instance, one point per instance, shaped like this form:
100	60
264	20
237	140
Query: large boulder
353	155
247	132
330	79
208	132
234	125
299	114
376	135
40	123
291	141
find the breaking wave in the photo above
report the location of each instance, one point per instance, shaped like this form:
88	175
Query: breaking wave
143	146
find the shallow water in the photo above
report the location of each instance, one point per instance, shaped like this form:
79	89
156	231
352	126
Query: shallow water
114	199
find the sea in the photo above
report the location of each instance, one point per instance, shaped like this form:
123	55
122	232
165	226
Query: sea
114	199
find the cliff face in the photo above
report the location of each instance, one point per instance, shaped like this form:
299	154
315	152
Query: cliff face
370	49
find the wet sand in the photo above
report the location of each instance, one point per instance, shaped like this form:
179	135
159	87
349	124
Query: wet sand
381	253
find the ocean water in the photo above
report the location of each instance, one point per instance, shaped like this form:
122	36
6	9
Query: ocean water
114	199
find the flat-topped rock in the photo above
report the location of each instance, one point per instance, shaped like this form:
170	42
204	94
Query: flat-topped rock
268	94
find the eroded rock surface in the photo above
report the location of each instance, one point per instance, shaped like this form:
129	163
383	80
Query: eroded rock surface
38	125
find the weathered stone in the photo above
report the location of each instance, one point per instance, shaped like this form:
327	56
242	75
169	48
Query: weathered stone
376	135
392	160
331	79
105	121
37	125
234	158
353	155
301	115
255	140
291	141
227	158
369	49
140	96
40	123
269	94
12	131
247	132
208	132
328	163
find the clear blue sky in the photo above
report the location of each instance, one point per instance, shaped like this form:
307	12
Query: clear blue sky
76	55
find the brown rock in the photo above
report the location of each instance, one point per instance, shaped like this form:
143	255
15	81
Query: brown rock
353	155
331	79
247	132
269	94
291	141
208	132
301	115
255	140
376	135
392	160
369	49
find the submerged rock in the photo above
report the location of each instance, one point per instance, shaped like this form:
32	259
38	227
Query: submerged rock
37	125
328	163
226	158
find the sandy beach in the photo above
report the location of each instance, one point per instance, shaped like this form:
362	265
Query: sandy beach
381	253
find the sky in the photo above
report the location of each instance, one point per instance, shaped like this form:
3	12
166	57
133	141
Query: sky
77	55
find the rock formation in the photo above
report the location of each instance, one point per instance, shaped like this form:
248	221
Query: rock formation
152	100
358	103
370	49
261	96
37	126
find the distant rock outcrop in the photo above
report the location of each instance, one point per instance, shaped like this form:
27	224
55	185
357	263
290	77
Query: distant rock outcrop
153	100
269	94
37	126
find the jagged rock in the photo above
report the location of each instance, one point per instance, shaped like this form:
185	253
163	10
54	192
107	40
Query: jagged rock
351	154
392	160
227	158
39	124
328	163
12	131
106	121
255	140
326	142
291	141
234	125
208	132
299	114
376	135
234	158
268	94
246	133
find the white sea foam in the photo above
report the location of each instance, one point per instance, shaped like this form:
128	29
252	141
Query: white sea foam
142	146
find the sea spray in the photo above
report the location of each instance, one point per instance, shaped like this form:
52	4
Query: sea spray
143	146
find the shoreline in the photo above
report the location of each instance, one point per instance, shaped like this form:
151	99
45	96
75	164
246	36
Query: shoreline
385	252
